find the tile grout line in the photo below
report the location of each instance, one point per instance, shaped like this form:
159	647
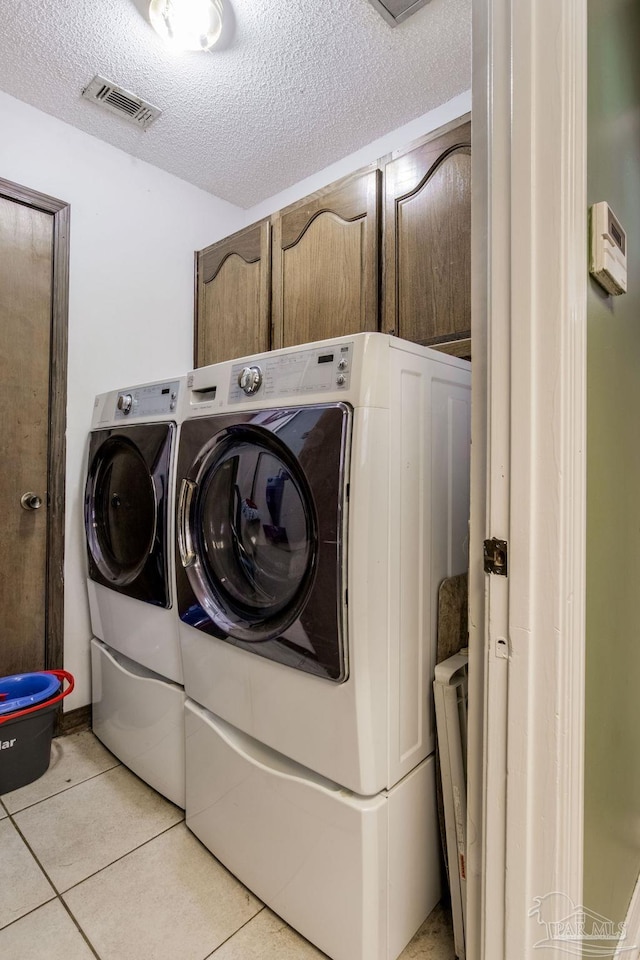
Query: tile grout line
59	793
118	859
79	928
37	860
241	927
28	913
56	894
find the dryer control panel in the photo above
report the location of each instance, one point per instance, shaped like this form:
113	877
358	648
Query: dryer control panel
147	401
293	374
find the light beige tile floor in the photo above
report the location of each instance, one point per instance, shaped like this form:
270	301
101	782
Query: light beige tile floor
95	864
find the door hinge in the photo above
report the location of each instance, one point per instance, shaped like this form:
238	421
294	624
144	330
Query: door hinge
495	557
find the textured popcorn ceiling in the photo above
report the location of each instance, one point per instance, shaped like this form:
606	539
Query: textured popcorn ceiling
295	85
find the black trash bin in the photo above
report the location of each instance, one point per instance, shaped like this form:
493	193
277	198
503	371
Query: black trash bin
28	704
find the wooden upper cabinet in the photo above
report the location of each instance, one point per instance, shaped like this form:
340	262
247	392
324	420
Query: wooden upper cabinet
427	243
312	272
233	296
325	262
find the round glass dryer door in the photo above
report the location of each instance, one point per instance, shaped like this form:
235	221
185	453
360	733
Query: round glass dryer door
254	534
261	533
122	531
125	510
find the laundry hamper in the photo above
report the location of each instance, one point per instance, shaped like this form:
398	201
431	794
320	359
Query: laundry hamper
28	704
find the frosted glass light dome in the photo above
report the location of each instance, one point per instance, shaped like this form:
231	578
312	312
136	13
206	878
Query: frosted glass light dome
187	24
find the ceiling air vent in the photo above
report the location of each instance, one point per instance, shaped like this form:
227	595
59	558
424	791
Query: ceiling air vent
122	102
395	11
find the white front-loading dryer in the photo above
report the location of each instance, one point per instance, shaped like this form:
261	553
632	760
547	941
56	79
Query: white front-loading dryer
137	677
317	517
323	495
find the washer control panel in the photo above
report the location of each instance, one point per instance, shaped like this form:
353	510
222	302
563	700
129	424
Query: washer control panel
155	399
293	374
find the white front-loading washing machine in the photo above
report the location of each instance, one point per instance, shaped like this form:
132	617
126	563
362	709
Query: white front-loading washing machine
137	680
323	497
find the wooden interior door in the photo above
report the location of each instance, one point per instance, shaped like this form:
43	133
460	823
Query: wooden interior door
325	262
427	245
33	275
233	296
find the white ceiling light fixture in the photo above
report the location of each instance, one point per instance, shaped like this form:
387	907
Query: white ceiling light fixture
187	25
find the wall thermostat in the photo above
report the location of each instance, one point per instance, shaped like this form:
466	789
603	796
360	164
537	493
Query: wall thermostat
608	256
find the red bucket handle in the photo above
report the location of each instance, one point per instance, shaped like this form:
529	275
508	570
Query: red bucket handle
62	675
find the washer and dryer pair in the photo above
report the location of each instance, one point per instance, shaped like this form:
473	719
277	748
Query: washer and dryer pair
322	495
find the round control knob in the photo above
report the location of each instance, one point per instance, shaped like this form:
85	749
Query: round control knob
343	364
250	380
340	379
125	402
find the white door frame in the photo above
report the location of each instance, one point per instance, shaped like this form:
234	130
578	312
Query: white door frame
528	470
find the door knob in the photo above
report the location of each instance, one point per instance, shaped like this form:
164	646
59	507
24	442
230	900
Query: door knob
30	501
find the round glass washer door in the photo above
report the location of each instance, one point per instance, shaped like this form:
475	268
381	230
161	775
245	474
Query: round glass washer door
252	532
121	511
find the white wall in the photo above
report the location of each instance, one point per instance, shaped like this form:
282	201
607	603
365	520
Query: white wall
134	229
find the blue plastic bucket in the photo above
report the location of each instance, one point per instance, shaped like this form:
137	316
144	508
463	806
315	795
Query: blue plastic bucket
26	690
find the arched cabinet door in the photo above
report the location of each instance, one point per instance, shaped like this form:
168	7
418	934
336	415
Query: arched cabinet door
325	262
233	296
427	245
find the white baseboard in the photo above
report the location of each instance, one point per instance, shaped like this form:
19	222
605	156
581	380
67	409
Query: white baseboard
629	948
